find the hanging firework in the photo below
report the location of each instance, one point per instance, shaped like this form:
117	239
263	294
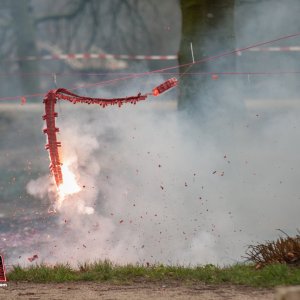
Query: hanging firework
64	178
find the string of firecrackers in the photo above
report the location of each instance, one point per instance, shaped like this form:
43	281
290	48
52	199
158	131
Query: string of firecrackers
63	94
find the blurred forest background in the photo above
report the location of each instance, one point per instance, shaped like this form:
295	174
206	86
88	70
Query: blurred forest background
132	27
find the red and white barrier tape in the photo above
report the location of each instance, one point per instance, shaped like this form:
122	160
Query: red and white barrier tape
276	49
98	56
139	57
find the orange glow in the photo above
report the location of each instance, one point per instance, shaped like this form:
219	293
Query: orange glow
69	185
155	92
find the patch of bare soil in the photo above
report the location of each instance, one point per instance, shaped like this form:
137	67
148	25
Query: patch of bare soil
93	290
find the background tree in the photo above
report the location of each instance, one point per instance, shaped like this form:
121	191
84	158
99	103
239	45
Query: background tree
76	26
209	25
24	36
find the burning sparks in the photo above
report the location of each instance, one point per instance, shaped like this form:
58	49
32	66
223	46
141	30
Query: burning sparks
69	185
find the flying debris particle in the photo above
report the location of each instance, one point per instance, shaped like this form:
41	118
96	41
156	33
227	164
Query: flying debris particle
161	187
159	166
222	173
121	221
34	257
23	100
83	186
214	172
84	245
185	184
225	156
143	246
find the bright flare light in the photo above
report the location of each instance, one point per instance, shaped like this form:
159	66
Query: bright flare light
69	186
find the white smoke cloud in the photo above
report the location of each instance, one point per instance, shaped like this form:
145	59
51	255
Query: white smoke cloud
165	191
161	188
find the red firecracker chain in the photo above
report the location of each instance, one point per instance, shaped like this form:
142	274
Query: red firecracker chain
64	94
50	115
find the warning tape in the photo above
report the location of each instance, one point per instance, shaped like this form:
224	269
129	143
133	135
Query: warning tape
205	59
137	57
96	56
276	49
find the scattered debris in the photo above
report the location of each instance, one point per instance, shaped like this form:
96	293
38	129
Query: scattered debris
34	257
23	100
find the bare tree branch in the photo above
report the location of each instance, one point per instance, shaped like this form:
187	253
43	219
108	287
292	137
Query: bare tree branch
68	16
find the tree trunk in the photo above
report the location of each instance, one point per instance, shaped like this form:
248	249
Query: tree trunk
209	26
25	44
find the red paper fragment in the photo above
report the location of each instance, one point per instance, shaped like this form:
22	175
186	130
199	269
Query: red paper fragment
34	257
23	100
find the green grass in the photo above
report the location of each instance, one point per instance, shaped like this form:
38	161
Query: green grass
269	276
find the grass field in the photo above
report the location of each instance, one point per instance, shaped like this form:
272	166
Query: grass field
272	275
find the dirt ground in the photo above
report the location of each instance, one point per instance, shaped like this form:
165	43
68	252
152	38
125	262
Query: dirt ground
93	290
